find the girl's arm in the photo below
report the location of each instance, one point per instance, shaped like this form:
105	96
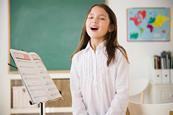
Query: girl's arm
120	100
78	106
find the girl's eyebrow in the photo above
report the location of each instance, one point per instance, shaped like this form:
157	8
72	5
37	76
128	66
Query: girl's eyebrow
103	15
91	14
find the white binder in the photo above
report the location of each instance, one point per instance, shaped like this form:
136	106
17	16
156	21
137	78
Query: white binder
165	76
157	77
171	75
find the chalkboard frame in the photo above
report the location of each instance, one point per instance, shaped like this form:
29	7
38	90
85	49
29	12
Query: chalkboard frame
50	70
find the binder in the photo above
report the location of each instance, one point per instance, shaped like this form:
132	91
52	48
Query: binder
171	75
157	77
165	76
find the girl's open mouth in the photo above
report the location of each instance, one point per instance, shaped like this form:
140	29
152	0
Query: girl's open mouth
94	28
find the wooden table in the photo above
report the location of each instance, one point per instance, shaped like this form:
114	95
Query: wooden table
171	112
128	113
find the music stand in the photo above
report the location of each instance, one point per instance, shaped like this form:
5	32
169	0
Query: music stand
35	77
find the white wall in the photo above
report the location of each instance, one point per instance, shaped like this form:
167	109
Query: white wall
4	79
140	53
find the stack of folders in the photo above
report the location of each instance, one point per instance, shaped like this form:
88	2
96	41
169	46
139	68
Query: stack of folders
163	68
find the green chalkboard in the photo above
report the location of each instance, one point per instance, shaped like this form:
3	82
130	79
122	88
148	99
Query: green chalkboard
50	28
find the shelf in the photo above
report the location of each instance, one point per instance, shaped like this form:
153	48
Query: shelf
59	110
53	76
162	85
37	110
27	110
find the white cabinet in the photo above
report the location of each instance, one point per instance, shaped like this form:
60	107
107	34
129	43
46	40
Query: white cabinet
58	107
162	93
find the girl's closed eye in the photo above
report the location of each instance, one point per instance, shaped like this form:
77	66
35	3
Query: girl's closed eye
90	17
102	18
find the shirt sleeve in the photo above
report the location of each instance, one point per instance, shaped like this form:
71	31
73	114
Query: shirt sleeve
120	101
78	106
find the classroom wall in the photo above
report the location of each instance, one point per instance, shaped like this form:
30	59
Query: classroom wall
4	79
140	53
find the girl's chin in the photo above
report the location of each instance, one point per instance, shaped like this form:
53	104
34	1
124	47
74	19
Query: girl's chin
94	36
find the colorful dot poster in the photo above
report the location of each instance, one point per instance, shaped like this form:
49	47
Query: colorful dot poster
148	24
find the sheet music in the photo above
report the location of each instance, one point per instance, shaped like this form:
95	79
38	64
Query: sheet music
35	76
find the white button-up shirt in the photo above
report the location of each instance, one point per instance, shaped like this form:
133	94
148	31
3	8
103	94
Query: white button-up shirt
98	89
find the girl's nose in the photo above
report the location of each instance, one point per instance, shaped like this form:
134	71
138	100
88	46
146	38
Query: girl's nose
95	20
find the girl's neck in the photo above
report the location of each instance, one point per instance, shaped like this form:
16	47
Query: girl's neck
94	43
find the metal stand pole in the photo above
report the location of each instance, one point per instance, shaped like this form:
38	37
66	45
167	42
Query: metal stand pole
42	112
41	106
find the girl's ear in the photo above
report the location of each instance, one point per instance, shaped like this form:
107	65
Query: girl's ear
111	28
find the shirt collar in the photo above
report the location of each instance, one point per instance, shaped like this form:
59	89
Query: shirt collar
99	47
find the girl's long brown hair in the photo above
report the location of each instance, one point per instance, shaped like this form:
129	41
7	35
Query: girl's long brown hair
111	37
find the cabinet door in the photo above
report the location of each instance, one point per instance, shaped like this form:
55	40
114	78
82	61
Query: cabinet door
64	87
